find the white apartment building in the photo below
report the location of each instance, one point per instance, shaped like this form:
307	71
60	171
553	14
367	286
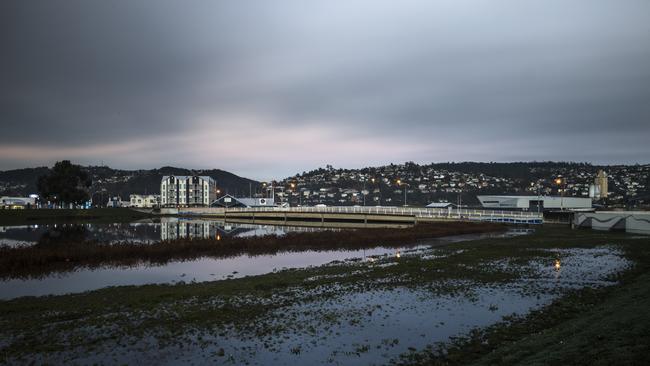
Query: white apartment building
144	200
187	191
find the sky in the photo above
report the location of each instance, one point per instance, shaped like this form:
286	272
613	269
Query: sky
267	89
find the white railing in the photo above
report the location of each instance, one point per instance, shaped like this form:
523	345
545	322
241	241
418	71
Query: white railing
431	213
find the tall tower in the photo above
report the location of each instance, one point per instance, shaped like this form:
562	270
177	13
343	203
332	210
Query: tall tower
601	183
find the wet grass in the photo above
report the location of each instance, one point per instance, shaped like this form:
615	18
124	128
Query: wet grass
94	215
47	257
172	313
590	326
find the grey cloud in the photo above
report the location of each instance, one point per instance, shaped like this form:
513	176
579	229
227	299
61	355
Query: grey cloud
535	71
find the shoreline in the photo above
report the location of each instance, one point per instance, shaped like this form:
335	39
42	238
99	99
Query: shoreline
47	258
55	216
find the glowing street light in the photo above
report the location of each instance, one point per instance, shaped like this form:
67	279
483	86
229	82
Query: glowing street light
403	184
560	182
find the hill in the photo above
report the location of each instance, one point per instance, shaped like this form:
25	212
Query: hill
116	182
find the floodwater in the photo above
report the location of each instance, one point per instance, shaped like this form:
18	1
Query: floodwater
197	270
136	232
373	326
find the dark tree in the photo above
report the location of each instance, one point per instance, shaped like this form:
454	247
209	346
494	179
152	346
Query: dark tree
66	183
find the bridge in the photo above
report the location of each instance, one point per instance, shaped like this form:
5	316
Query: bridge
358	214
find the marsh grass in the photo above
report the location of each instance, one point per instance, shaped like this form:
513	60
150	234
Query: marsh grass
67	255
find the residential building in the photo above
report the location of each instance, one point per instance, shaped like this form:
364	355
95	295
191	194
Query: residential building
187	191
144	200
17	202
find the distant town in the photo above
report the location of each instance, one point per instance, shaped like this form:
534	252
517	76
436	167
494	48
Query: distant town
410	184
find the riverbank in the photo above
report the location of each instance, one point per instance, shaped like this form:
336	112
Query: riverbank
64	255
277	316
50	216
591	326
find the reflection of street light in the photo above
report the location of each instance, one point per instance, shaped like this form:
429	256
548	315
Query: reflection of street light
557	265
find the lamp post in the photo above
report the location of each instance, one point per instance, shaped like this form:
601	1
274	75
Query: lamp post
293	186
559	181
403	184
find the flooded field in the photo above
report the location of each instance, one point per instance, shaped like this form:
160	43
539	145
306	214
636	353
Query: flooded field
358	307
183	271
376	325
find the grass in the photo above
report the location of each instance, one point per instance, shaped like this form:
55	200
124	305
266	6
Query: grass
602	325
68	254
591	326
98	215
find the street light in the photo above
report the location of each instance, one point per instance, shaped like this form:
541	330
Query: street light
378	186
293	186
561	182
539	198
400	183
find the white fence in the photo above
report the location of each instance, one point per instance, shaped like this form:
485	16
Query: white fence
516	217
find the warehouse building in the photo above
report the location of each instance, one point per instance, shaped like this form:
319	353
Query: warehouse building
229	201
535	203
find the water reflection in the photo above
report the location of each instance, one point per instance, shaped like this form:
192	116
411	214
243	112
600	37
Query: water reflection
209	269
137	232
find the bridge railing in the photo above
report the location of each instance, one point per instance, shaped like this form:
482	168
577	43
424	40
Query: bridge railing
467	214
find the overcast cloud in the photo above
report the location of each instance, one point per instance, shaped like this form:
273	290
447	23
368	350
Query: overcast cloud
266	89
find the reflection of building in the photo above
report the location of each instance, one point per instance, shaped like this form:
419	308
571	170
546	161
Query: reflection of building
144	200
179	229
598	189
187	191
533	203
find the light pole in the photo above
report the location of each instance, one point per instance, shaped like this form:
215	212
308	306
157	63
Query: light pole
293	186
559	181
539	198
373	184
403	184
